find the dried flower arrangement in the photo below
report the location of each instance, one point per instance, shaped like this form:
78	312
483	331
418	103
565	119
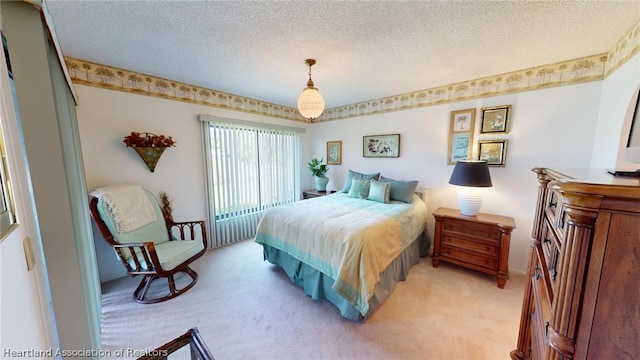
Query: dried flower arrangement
167	210
147	139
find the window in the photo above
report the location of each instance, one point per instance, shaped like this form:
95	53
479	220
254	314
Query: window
250	168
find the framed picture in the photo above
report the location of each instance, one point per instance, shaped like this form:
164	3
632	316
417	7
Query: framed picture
381	145
461	129
334	152
496	119
493	151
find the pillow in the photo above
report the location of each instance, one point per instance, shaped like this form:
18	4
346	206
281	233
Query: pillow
356	175
379	191
401	190
359	188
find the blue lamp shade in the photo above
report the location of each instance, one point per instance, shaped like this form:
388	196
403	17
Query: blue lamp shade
470	174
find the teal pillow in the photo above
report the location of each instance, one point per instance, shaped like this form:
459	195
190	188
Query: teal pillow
379	191
401	190
356	175
359	188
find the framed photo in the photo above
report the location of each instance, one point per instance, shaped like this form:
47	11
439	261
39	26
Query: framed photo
334	152
461	129
493	151
496	119
381	145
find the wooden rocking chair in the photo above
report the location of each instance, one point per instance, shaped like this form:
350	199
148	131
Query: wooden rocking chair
160	249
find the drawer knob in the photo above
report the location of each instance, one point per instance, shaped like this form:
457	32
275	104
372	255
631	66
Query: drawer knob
537	274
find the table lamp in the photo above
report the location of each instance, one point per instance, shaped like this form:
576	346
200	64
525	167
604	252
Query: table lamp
471	175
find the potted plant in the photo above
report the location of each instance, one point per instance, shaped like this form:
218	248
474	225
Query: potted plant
319	169
149	146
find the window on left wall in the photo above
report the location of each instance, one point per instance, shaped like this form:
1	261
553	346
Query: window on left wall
251	168
8	219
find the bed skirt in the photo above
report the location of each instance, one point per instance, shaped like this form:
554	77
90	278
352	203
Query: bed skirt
317	285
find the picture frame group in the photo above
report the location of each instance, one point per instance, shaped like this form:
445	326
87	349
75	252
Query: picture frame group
494	120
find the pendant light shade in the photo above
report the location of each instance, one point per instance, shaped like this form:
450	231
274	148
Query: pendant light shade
310	102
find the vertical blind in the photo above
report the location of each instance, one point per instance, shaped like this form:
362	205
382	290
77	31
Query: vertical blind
249	170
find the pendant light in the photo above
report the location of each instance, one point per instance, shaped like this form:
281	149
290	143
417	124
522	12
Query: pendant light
310	102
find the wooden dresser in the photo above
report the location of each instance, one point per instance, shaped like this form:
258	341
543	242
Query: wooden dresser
583	297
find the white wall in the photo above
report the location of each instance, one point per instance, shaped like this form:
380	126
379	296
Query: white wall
613	127
57	211
106	116
575	126
549	128
23	304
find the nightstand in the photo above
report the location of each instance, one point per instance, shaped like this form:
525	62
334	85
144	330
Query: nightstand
478	242
308	194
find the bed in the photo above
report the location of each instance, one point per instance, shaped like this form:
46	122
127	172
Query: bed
350	251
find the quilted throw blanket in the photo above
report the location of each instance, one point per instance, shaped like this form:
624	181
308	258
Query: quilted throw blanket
128	204
350	240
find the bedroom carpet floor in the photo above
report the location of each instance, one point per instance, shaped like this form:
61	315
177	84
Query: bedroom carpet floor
246	308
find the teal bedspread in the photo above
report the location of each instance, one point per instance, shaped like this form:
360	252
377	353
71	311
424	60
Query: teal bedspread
350	240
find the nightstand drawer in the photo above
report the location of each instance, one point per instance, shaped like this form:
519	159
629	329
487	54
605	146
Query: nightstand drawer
467	229
471	246
468	257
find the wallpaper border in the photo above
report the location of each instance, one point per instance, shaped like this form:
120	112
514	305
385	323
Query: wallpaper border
575	71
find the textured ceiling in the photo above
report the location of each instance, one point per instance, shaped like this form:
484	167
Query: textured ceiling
364	50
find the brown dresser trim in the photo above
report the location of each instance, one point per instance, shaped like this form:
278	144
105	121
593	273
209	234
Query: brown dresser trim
584	266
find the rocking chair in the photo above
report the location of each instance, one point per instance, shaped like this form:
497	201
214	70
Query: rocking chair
145	242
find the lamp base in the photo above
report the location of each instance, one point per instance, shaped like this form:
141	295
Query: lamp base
469	201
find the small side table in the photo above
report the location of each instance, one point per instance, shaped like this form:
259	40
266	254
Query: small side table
308	194
478	242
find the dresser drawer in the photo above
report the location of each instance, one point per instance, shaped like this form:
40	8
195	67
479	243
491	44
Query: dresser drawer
484	248
477	259
541	298
537	342
552	204
550	259
467	229
555	213
541	310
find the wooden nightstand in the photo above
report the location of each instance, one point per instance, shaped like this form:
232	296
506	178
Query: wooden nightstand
478	242
308	194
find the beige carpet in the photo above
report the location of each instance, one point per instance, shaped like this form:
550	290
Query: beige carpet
246	308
